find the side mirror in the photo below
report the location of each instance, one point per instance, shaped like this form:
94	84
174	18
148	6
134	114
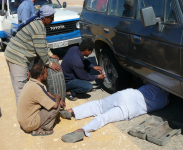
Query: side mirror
149	19
2	12
64	4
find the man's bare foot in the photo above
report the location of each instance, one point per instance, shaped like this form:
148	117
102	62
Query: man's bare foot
80	130
70	110
68	92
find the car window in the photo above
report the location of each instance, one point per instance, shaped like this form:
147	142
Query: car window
122	8
97	5
128	8
158	6
169	16
113	7
54	4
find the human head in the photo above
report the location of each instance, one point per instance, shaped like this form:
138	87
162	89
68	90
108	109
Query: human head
39	72
86	47
129	4
47	14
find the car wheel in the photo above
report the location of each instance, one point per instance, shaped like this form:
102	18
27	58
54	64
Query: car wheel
56	81
3	46
116	77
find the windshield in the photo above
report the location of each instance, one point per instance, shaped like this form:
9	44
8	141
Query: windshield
15	3
40	3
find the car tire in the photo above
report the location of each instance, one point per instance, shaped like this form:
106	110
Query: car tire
56	81
116	77
3	46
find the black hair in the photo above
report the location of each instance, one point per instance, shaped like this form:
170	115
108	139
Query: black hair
86	44
37	70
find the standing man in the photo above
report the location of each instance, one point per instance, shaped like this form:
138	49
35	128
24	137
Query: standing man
76	69
28	43
26	10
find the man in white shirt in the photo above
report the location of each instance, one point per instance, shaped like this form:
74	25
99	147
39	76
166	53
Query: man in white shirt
123	105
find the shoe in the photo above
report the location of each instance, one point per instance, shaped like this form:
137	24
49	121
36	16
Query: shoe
71	98
73	137
65	114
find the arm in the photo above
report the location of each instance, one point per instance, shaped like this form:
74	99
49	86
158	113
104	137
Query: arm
40	44
51	95
43	98
25	13
83	74
58	99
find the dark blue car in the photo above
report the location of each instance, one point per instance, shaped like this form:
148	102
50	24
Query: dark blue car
137	37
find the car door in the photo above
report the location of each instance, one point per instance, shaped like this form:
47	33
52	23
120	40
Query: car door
7	21
157	53
117	28
112	23
92	18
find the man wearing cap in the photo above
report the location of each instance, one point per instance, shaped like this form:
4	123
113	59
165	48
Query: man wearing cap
26	10
29	42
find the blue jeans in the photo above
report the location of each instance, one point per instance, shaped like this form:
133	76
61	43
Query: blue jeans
78	86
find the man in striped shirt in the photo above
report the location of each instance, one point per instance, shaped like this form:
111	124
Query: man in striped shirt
28	43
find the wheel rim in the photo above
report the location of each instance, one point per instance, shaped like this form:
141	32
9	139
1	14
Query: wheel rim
108	70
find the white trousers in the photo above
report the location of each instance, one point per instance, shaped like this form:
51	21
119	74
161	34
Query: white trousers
110	109
18	75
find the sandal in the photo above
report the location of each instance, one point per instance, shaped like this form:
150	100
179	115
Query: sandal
71	98
41	132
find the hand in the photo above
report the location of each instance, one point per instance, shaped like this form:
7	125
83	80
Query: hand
55	67
63	105
58	97
101	76
99	69
55	56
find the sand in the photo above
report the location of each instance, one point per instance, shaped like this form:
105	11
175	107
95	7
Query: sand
12	138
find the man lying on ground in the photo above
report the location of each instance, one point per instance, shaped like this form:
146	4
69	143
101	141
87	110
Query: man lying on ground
76	70
122	105
37	109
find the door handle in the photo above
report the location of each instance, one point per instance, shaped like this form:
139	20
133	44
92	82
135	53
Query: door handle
137	37
106	29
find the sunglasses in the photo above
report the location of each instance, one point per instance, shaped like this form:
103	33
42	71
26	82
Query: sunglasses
50	17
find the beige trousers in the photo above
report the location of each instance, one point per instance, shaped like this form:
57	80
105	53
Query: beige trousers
18	75
47	118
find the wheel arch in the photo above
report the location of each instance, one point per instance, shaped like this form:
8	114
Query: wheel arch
101	42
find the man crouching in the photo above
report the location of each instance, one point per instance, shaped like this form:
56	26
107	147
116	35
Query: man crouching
37	109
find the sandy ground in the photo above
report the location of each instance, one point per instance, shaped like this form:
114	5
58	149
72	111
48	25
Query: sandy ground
11	137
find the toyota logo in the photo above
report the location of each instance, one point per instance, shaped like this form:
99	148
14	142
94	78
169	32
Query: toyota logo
57	27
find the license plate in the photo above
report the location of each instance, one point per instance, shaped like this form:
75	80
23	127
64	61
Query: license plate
60	44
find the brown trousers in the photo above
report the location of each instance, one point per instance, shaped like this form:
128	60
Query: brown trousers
47	118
